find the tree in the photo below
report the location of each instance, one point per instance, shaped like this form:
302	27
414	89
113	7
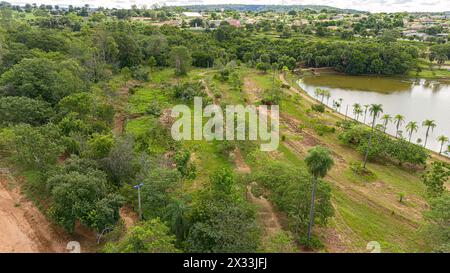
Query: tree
24	110
36	147
263	67
42	78
130	53
177	215
411	127
436	231
386	118
375	110
181	60
398	119
159	183
442	140
221	221
319	162
436	177
83	196
429	124
291	189
366	107
357	110
148	237
120	164
99	146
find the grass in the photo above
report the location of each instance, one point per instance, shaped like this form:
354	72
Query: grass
139	102
366	209
430	70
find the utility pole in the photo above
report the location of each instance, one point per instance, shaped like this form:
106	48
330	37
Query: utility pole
138	187
346	112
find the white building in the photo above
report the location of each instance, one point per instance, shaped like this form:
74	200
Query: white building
191	14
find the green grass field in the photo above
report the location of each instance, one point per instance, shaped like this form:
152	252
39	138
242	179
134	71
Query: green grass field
365	210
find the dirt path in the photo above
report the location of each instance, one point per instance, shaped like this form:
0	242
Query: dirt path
120	105
241	166
266	213
23	228
252	90
129	216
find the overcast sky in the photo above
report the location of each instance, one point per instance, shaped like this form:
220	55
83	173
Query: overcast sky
368	5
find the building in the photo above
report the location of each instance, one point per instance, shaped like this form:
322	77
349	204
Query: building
234	23
189	14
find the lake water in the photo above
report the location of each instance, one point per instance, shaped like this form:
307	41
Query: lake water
415	99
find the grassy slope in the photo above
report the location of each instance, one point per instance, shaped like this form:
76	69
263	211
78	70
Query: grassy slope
365	210
205	154
431	72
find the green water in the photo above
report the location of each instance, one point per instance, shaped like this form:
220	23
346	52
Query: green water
416	99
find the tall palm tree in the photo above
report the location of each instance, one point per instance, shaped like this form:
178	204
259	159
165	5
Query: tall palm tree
357	110
317	93
328	95
430	124
386	118
375	111
411	127
366	107
322	93
442	140
398	119
319	162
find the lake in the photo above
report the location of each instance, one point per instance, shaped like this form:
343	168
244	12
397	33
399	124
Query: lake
415	99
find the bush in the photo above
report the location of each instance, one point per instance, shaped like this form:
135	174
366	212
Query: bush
141	73
383	146
24	110
322	129
154	109
318	108
188	91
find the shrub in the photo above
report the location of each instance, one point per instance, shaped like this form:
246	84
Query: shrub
318	108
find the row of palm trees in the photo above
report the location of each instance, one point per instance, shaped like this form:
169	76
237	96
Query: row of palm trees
399	120
375	110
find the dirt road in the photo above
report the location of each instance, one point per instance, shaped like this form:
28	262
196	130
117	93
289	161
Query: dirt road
23	228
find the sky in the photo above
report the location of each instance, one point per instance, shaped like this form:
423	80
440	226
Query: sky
366	5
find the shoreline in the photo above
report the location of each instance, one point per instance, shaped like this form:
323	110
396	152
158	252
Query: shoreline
301	91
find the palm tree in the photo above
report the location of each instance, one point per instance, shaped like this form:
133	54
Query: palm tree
387	118
336	105
177	215
366	107
411	127
323	93
375	111
430	124
357	110
328	95
399	119
319	162
317	93
442	140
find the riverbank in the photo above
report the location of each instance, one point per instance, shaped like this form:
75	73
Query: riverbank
342	116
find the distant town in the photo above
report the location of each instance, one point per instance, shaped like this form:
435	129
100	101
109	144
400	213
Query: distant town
287	20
